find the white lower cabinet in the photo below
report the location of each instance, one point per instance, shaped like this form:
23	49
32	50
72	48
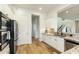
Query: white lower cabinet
60	44
55	42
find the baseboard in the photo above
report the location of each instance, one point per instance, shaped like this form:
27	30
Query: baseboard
24	43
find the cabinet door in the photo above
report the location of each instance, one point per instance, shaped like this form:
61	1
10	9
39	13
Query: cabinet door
60	44
47	39
44	38
52	41
57	43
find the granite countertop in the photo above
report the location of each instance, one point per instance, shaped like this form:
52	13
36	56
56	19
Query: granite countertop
74	50
75	39
49	34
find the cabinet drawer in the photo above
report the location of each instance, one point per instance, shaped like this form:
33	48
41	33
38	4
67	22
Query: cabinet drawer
60	44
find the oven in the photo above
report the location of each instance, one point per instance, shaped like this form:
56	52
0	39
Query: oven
3	31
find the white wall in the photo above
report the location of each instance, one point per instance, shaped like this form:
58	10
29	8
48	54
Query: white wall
52	18
42	22
51	22
23	17
68	23
35	26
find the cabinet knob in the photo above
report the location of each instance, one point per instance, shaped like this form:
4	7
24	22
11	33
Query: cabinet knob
55	39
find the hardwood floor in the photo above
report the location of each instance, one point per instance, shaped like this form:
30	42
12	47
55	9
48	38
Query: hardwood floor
36	47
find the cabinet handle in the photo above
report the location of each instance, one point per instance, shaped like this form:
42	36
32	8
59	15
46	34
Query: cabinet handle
55	39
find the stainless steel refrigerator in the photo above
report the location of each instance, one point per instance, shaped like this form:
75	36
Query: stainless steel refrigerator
13	36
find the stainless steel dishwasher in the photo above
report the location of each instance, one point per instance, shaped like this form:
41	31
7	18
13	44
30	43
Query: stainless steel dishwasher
70	44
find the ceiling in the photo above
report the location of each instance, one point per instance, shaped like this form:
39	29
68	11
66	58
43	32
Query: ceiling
35	7
70	12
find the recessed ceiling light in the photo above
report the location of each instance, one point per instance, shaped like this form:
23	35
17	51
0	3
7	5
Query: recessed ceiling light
67	12
40	8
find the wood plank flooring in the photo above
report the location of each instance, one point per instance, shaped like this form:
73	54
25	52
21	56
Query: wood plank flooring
36	47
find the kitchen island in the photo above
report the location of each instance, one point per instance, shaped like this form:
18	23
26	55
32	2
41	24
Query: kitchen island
59	43
72	38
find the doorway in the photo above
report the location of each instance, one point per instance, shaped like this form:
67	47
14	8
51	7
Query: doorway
35	27
77	26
